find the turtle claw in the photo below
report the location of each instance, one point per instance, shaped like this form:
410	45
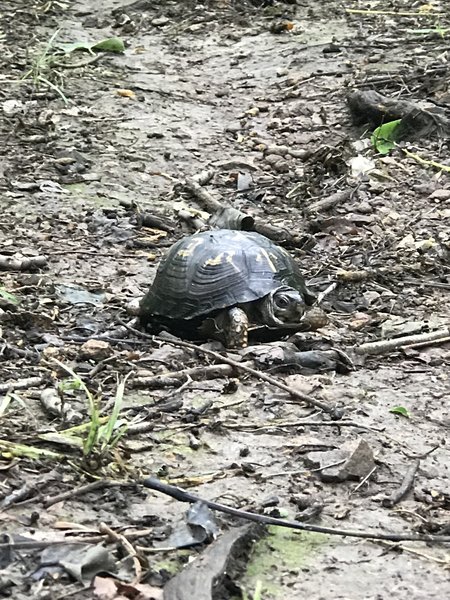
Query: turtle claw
236	329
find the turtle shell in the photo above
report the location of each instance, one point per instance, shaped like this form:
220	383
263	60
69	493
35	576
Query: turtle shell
213	270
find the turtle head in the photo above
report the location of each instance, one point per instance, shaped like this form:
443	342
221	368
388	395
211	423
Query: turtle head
284	306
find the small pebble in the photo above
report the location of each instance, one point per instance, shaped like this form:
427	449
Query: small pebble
282	166
272	159
440	194
160	21
364	208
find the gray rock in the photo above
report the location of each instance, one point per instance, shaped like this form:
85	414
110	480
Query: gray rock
353	460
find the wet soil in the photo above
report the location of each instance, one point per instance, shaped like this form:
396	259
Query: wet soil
249	88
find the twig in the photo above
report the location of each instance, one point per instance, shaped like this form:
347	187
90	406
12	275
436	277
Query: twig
391	13
334	411
194	187
93	539
30	354
21	384
127	546
439	561
361	483
326	292
424	454
443	340
397	343
281	424
182	496
326	203
407	484
393	76
9	263
179	377
426	163
84	489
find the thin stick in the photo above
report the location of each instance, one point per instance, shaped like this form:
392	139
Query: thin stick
443	340
391	13
182	496
405	487
334	411
21	384
302	423
84	489
361	483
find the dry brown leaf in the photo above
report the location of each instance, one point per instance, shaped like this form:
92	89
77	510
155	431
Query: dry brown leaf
107	588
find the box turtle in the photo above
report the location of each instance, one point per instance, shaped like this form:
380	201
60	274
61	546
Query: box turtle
214	283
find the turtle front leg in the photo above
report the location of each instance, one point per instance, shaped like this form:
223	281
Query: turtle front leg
236	328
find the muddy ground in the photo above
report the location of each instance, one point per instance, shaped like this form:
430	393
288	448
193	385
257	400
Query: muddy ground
89	147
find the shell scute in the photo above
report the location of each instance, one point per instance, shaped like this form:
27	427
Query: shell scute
213	270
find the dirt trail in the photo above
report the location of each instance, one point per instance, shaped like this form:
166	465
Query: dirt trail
227	86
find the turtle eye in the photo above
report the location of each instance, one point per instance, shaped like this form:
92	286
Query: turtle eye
282	301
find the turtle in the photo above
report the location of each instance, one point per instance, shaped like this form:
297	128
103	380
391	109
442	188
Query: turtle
215	283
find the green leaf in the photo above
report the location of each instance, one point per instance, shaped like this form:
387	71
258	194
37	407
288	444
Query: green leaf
106	431
113	44
9	297
75	47
399	410
384	136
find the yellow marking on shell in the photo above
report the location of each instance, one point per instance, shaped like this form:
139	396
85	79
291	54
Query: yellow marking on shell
269	260
189	249
216	260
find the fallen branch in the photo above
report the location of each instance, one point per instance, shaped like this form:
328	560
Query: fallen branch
440	561
406	341
415	122
443	340
334	411
203	196
182	496
326	203
224	213
8	263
